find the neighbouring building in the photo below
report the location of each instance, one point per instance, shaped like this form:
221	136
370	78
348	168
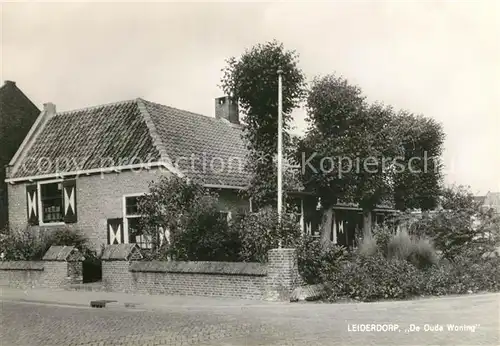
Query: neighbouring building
17	114
491	202
85	168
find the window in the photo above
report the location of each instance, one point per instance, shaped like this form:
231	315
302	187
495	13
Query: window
131	221
51	198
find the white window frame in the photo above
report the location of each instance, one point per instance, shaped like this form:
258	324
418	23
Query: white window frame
40	207
125	216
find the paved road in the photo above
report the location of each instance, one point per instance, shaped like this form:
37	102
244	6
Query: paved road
24	323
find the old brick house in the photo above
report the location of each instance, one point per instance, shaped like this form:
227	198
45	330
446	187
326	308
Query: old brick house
17	114
85	168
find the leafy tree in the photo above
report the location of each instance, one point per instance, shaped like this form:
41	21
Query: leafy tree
458	198
349	140
190	212
253	80
459	227
419	186
360	152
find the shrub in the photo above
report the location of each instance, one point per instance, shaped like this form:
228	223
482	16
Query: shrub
198	232
457	228
462	276
30	244
400	247
369	278
383	234
204	235
417	250
314	260
259	232
424	254
23	245
368	247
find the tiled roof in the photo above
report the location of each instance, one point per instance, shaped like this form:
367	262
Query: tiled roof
110	135
217	145
96	137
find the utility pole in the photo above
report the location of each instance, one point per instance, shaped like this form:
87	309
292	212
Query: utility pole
280	148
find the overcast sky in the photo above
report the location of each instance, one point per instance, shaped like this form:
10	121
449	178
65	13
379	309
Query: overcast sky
441	60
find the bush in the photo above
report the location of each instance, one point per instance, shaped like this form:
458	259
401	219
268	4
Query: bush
459	227
315	261
370	278
383	234
204	235
259	232
462	276
23	245
31	245
368	247
424	254
198	231
400	246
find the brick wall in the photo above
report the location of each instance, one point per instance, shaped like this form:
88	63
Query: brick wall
45	274
272	281
116	276
283	274
22	274
99	198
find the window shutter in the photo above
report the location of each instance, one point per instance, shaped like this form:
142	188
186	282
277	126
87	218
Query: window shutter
32	204
115	231
69	201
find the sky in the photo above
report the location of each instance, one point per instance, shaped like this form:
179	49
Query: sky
435	58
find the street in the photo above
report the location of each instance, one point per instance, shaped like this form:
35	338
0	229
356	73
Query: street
475	321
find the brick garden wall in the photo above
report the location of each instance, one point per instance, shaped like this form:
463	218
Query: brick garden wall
27	274
22	274
274	280
61	266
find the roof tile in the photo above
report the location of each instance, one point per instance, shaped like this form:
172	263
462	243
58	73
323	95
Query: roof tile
207	150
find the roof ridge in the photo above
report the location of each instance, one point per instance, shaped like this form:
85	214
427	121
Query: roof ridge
116	103
182	110
157	141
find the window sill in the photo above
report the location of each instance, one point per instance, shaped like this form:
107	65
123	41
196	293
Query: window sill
52	224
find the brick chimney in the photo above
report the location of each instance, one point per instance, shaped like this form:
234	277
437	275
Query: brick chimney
49	110
226	107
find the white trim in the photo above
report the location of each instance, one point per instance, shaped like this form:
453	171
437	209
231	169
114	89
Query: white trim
88	171
334	227
301	216
124	213
40	207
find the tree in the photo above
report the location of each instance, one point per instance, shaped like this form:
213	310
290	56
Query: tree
458	198
253	80
349	140
190	213
419	186
360	152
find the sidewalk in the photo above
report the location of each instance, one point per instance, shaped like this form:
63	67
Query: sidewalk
125	300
